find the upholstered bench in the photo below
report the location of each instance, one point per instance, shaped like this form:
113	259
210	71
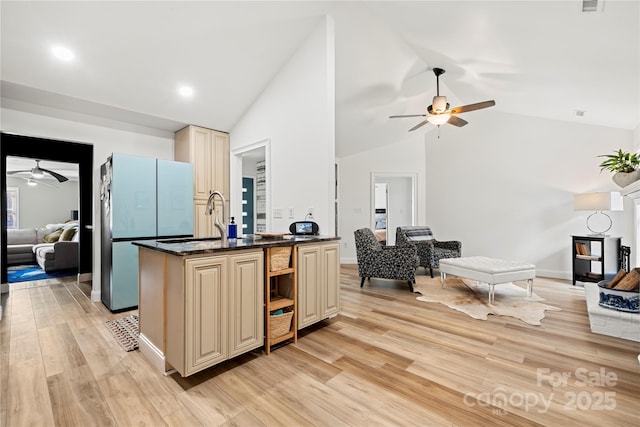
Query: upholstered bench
488	270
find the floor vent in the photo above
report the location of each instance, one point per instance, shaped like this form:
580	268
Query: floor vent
592	5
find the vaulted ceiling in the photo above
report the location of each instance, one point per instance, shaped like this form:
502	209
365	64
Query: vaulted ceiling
535	58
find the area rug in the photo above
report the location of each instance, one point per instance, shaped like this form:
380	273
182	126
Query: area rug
27	273
125	331
472	298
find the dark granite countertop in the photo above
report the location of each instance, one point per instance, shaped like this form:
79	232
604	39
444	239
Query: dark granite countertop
193	246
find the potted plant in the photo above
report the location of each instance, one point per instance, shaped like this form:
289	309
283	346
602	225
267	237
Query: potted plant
624	165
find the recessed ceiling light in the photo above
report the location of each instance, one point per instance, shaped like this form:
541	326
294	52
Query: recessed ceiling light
185	91
62	53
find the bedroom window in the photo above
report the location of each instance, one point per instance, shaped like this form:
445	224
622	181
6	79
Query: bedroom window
12	207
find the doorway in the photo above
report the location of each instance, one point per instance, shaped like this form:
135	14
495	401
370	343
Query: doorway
250	187
393	203
57	151
42	198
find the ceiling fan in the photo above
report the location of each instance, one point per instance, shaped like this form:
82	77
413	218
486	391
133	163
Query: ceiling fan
37	172
439	113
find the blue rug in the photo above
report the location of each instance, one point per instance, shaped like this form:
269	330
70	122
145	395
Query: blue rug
33	272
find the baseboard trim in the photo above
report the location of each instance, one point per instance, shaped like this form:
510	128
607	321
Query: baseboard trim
553	274
153	354
85	277
96	296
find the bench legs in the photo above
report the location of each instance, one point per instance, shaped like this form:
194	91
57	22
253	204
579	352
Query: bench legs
443	279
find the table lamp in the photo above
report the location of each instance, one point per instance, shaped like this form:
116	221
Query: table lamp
598	202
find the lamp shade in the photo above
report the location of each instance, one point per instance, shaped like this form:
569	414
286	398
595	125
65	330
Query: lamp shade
438	119
605	201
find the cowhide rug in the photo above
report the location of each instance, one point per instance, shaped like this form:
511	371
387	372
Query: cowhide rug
472	299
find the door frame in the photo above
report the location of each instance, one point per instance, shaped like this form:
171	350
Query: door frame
413	177
235	184
59	151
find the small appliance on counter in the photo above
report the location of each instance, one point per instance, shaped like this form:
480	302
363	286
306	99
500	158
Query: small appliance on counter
304	228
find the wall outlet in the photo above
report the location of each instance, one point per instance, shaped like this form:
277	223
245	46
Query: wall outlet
292	213
277	212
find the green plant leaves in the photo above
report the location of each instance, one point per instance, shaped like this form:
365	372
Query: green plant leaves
620	162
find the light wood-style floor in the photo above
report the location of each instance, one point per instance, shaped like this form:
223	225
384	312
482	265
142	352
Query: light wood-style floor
386	360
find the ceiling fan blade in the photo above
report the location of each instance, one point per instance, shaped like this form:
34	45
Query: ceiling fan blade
422	123
56	175
457	121
408	115
472	107
12	172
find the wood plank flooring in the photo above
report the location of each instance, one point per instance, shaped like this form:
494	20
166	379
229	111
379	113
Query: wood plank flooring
385	360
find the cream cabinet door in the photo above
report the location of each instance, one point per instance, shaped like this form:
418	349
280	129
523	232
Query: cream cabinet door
246	299
330	280
220	163
201	155
318	282
203	223
206	312
308	283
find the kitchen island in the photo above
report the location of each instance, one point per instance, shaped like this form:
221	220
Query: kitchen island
202	301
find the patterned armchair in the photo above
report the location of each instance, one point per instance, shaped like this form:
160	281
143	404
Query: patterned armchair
384	262
430	250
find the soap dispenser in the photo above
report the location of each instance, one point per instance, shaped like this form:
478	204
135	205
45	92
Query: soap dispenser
233	229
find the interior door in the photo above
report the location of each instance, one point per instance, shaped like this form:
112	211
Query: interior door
248	211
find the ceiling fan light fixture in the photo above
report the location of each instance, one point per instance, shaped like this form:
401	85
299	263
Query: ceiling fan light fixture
439	104
31	182
439	119
37	173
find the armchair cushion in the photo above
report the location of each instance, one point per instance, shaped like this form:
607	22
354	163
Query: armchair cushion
384	262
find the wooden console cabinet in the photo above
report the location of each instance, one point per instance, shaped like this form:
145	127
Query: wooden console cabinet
318	282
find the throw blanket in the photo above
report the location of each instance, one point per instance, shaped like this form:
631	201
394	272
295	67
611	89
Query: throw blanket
417	233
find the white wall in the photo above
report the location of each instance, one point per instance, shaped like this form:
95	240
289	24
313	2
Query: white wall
504	186
42	204
105	141
296	112
354	185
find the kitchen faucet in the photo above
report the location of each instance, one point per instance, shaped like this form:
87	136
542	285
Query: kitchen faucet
210	211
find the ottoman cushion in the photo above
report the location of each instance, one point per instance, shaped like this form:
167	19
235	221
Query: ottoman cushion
488	270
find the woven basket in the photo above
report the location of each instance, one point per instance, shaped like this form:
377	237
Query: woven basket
280	257
280	324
